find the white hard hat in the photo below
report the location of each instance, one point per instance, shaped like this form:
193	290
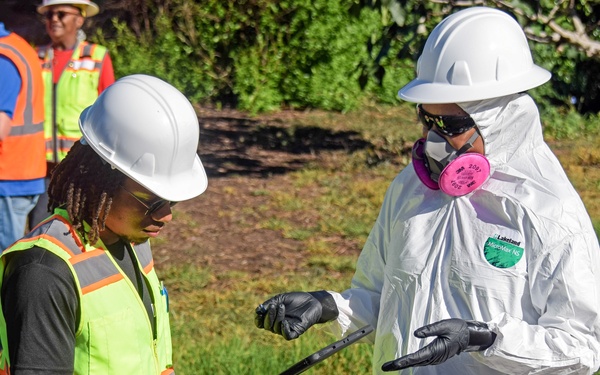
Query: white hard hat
89	8
477	53
148	130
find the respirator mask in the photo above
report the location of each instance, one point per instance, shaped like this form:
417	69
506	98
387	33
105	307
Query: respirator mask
439	165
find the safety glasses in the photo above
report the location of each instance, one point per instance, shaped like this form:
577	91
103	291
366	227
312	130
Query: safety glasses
151	208
49	15
447	125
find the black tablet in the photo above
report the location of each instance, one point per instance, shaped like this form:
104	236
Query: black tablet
327	351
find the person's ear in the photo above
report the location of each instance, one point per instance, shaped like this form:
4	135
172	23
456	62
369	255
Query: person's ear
79	21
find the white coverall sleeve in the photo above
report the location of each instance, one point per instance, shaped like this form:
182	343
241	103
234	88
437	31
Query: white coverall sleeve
565	289
359	305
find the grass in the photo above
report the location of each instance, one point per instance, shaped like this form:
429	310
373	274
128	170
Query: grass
213	323
212	315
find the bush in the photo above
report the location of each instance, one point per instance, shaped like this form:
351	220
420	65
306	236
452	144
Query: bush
262	55
307	58
566	123
257	55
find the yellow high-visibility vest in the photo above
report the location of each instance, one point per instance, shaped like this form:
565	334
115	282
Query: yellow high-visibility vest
114	335
77	88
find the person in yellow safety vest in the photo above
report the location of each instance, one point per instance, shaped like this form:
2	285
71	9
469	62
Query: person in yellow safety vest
79	292
75	72
22	161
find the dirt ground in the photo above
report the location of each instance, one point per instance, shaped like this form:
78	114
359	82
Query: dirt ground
243	155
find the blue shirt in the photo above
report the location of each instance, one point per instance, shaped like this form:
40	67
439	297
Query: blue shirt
3	31
11	81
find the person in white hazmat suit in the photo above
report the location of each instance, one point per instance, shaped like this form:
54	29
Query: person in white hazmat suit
483	259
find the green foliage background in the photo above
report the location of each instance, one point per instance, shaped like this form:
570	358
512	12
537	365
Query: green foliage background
260	55
340	55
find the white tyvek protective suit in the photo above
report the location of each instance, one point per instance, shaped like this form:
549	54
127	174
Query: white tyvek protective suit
426	259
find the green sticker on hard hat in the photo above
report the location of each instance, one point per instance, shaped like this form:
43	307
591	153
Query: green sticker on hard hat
502	254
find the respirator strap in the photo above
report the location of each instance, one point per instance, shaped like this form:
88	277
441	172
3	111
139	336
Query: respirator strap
469	145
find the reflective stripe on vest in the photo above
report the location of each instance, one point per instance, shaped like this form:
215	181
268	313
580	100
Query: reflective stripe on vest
96	269
77	88
20	157
114	334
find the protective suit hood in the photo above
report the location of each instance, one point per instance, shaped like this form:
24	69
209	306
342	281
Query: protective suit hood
509	125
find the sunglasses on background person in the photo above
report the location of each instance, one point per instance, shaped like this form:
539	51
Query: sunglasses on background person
447	125
151	208
49	15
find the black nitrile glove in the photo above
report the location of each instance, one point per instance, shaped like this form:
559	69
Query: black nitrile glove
453	337
291	314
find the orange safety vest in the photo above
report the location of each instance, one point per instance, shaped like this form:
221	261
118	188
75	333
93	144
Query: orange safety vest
22	153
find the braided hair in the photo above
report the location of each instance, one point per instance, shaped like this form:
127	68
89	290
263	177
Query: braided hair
84	184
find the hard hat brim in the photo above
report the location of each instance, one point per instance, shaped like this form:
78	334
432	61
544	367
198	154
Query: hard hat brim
421	91
181	187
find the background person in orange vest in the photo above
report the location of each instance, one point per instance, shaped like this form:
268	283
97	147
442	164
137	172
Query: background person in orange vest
75	72
22	162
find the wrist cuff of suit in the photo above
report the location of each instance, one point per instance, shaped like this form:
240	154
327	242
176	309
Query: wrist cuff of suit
480	336
329	308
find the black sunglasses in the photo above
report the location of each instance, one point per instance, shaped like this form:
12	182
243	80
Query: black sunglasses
152	207
447	125
59	13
